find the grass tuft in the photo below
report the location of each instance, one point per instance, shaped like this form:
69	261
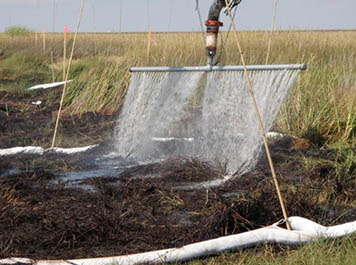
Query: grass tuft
16	31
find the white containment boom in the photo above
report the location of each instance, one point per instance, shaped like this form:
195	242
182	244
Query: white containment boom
303	230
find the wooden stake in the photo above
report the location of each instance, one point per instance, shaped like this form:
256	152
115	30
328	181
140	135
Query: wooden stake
44	39
120	25
149	42
149	32
64	50
52	68
36	38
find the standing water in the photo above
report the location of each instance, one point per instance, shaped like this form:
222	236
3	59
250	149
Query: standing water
208	116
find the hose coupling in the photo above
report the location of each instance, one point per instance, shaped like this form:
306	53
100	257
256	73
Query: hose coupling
212	30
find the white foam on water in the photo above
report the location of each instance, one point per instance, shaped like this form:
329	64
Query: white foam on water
214	111
205	184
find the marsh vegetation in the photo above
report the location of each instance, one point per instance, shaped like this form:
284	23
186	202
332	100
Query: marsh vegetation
317	169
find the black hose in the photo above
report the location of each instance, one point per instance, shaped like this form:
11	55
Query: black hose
215	9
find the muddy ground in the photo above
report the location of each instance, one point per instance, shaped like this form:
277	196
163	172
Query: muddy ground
144	207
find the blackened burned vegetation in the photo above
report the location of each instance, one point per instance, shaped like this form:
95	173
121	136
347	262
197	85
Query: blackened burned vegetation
22	123
150	207
148	211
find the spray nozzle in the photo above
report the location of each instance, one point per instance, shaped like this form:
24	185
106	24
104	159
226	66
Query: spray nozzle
212	30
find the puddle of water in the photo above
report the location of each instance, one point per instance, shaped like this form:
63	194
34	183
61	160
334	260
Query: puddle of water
205	184
77	179
11	172
111	165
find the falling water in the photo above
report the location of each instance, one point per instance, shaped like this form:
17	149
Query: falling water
157	106
205	116
229	123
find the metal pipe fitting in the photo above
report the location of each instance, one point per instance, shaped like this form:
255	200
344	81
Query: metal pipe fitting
212	30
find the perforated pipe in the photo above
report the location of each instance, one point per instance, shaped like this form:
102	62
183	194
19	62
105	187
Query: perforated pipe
219	68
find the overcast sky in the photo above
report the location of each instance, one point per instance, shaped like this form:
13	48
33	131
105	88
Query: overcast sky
173	15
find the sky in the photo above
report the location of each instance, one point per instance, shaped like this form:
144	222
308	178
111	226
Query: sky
173	15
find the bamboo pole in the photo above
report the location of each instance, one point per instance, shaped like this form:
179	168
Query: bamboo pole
259	118
52	68
272	30
67	74
44	39
36	38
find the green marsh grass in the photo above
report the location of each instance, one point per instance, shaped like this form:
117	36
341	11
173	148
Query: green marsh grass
321	106
329	252
16	31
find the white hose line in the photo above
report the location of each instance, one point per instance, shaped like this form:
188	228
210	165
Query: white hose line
303	230
51	85
35	150
319	231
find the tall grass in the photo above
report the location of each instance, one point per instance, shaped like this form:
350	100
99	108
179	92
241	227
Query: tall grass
321	107
330	252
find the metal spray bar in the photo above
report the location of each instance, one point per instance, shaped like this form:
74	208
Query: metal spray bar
220	68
